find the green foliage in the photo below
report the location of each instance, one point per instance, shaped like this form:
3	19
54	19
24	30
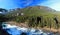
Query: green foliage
33	12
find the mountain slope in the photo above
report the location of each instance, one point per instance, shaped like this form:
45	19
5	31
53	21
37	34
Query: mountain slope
33	10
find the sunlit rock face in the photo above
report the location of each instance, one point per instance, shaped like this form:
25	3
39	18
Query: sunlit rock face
15	30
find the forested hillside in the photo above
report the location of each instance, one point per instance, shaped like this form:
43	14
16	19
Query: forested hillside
35	16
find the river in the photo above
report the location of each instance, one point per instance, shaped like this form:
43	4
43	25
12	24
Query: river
7	29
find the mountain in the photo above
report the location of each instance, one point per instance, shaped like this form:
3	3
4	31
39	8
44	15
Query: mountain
3	11
32	10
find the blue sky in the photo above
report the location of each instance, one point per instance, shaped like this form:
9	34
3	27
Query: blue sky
11	4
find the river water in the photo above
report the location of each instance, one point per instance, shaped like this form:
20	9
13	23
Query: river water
8	29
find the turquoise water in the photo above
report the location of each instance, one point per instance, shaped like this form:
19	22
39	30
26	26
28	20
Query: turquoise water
15	30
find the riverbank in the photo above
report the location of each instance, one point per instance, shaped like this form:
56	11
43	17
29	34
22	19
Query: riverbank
52	30
25	25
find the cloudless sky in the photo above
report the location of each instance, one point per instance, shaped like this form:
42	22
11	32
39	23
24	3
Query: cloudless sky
11	4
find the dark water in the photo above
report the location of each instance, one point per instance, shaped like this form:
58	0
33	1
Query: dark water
7	29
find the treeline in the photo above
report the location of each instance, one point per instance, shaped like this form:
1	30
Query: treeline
39	21
34	16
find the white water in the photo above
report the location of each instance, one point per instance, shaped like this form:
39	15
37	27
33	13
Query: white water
15	30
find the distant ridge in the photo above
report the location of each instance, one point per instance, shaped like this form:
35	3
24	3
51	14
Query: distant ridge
32	10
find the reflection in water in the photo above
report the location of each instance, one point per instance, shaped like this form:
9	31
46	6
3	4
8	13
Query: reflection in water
7	29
